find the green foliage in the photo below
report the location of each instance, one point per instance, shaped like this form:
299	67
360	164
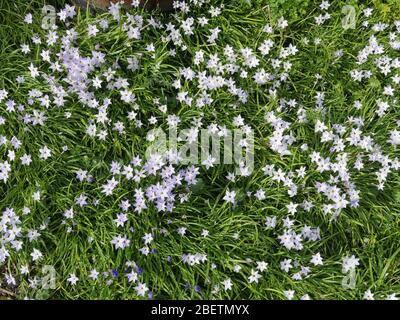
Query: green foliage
371	231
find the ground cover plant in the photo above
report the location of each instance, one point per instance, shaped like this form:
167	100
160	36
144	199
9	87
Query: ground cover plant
88	212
